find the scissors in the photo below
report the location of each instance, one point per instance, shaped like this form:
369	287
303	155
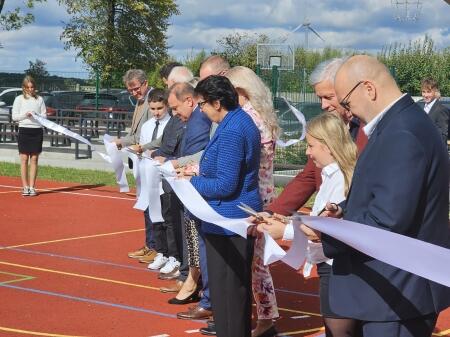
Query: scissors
247	209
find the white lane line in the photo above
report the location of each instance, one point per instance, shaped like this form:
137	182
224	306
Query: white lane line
163	335
300	317
192	331
58	190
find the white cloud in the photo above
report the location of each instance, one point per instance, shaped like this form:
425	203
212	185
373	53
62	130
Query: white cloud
358	25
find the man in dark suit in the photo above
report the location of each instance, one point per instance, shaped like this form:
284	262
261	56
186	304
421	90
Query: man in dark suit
438	113
400	184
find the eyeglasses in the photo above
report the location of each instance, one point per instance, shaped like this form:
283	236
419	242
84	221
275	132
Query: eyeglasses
345	103
136	89
201	104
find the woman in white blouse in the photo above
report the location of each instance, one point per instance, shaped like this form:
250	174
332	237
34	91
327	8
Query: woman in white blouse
30	133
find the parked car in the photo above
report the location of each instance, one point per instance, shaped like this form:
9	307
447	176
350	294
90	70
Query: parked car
7	97
64	100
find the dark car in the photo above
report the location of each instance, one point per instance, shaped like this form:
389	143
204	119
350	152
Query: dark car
65	101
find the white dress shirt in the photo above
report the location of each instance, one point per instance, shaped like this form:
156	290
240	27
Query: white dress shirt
331	190
149	126
370	127
427	107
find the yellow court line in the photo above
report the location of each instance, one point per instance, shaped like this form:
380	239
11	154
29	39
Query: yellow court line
34	333
70	239
301	331
78	275
300	312
120	282
442	333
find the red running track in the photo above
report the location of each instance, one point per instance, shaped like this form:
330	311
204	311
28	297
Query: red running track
64	271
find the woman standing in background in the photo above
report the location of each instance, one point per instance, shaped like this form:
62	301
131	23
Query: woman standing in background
30	133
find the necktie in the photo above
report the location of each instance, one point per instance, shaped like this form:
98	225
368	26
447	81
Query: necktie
155	130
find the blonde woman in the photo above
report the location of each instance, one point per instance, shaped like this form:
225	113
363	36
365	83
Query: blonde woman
332	149
256	99
30	133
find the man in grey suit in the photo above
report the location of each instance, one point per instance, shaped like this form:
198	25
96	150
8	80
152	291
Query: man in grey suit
437	112
136	82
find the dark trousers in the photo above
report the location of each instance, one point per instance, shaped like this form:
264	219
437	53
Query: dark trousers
205	301
416	327
229	261
149	238
166	233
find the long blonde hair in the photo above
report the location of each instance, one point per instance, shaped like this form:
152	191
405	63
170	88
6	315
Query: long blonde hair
26	80
331	131
257	93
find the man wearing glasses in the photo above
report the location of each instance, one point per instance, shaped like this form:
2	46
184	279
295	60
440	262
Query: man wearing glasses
308	181
400	184
136	82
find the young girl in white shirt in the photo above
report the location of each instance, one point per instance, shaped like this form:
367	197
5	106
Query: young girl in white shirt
332	149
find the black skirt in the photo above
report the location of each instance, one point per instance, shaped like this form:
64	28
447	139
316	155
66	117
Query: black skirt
324	271
30	140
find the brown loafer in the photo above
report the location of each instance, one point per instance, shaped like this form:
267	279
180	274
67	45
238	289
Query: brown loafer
139	253
173	288
196	312
148	257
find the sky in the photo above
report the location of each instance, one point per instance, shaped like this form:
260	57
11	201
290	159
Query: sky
365	25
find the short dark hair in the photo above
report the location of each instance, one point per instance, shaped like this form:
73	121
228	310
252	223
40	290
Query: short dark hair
164	72
157	95
216	87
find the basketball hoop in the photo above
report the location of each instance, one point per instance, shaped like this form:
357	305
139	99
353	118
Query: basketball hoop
407	10
280	55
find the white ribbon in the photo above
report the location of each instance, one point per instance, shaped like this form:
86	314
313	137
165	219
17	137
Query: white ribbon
117	163
193	201
150	181
301	118
415	256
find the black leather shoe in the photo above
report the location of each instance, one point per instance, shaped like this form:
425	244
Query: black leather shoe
208	331
190	299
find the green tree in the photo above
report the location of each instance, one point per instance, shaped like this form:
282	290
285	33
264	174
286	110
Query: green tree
240	49
416	60
112	36
37	69
16	19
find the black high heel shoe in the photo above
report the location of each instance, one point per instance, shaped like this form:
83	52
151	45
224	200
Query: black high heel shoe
190	299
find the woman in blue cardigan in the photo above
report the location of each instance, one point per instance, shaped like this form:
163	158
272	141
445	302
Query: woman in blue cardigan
228	176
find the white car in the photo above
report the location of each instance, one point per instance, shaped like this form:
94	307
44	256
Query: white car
7	97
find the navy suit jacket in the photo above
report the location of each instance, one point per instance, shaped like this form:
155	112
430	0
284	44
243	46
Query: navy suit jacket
171	139
400	184
229	169
196	135
439	114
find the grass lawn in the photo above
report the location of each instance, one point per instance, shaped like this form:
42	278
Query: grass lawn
89	177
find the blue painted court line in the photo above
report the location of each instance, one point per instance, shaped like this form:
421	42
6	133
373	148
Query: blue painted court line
88	300
92	261
75	258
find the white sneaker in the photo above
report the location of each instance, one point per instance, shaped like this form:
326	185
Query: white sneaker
159	262
171	266
25	191
32	192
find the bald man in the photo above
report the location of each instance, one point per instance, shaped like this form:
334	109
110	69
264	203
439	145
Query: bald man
213	65
400	184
